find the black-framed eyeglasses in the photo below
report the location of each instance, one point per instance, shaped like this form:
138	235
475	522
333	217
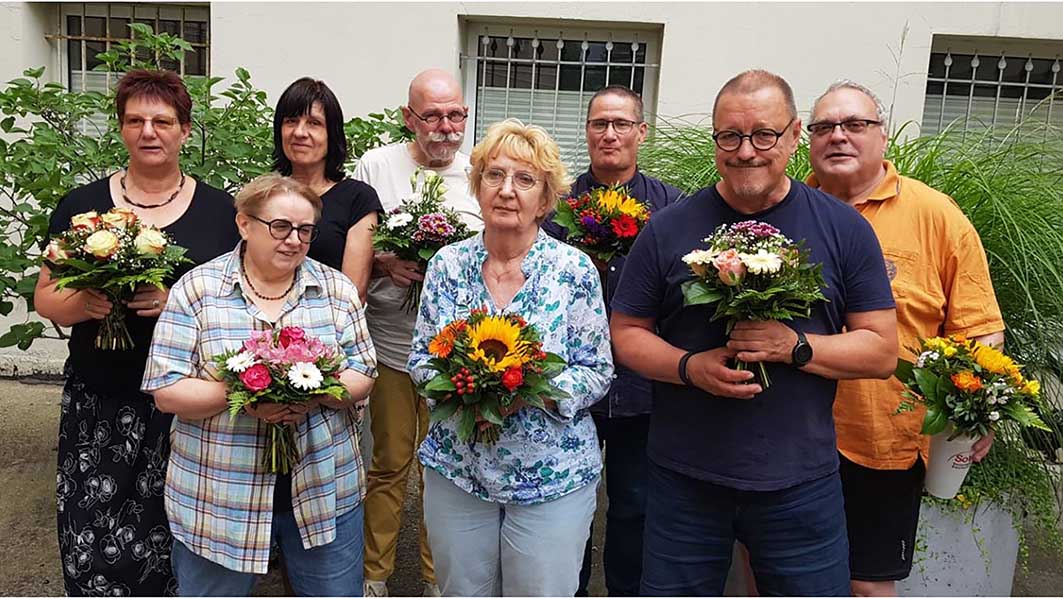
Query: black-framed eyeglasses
455	116
495	177
853	126
281	229
622	126
761	139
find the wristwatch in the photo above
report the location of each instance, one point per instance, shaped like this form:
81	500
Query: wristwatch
802	351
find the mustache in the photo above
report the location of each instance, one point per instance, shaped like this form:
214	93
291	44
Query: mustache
452	137
747	163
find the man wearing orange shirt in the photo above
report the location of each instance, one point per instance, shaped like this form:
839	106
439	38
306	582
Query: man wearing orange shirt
940	280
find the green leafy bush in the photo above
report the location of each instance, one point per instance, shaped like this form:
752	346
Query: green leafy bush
54	140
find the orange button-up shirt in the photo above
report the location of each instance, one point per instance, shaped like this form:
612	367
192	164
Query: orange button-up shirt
940	280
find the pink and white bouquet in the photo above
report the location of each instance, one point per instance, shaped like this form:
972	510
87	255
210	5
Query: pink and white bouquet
114	253
751	271
420	227
285	367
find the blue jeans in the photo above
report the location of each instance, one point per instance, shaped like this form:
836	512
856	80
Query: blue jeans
625	484
796	537
334	569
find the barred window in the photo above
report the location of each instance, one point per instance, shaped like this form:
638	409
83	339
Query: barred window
547	78
975	84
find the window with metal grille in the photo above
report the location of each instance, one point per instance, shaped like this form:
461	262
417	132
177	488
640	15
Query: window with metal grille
91	28
548	79
976	84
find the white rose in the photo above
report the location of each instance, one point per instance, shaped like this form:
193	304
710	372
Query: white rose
150	242
102	244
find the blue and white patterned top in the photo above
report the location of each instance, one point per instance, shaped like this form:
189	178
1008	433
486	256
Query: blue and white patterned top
539	456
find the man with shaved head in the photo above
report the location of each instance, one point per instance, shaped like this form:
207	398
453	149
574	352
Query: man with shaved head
436	113
729	459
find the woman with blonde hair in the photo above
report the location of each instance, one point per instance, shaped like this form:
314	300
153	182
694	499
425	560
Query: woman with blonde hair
511	518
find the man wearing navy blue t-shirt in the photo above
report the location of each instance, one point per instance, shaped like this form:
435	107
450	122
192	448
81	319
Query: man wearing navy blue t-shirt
615	128
729	459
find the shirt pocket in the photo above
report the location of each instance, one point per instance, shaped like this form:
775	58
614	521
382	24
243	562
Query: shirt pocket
902	269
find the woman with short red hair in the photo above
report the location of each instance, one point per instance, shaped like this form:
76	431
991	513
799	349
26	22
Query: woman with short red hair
113	443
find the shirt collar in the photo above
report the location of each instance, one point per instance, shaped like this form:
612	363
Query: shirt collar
888	188
596	183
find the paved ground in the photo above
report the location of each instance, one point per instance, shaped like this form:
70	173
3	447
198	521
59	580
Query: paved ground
28	552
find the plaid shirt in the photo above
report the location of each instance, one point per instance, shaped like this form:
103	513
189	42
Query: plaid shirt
219	499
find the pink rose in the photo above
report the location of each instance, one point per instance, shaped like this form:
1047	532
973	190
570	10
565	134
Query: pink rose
54	252
256	377
730	268
291	334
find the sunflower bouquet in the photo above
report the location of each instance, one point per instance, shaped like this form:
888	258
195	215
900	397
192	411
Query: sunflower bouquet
751	271
419	227
285	367
488	367
968	384
115	253
603	222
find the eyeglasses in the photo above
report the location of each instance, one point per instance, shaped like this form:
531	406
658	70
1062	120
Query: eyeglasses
853	126
138	122
622	126
455	117
281	229
761	139
495	177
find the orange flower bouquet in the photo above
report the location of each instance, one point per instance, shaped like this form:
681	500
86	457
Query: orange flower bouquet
115	253
488	367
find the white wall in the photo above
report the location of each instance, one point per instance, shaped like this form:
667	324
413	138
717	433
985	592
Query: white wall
22	43
368	51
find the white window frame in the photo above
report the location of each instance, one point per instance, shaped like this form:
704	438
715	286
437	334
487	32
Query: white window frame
648	35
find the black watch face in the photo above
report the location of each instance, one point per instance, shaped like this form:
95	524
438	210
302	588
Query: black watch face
802	354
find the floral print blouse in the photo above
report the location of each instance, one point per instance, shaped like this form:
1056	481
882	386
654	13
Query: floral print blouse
540	455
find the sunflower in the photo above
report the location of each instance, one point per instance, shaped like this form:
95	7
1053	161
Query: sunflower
994	361
495	342
613	201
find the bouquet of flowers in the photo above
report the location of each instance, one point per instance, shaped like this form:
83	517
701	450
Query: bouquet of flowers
969	389
487	368
603	222
284	367
115	253
970	385
420	227
751	271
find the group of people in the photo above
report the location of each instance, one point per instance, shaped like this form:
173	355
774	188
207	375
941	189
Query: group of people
161	491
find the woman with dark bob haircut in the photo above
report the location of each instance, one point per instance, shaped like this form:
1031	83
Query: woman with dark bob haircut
309	145
114	538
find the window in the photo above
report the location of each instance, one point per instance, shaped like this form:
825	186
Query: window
547	79
975	84
91	28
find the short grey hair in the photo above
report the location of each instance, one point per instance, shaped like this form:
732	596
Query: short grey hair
880	109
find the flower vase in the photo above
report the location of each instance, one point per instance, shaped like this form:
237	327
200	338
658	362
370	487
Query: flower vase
951	456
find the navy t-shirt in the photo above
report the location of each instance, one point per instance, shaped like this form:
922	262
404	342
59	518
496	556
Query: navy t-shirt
785	435
629	394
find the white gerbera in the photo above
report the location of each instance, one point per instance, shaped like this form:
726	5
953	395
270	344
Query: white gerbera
305	376
762	262
240	362
699	256
399	220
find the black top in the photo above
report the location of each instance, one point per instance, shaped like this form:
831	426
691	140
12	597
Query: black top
207	229
629	394
347	202
785	435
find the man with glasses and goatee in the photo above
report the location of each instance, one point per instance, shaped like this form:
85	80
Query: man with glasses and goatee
729	459
940	280
615	128
436	113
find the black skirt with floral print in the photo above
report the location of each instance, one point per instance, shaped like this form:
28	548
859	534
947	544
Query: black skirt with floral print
113	536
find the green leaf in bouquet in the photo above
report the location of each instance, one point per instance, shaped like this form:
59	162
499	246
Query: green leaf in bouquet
336	391
489	411
553	365
535	401
426	253
1024	415
444	409
935	420
238	399
929	385
696	292
441	383
567	218
904	371
467	424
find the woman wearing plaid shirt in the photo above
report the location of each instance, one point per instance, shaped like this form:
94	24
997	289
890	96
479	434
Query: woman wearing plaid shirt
224	507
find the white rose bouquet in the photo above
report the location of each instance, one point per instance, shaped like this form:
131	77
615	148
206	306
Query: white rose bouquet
751	271
114	253
420	227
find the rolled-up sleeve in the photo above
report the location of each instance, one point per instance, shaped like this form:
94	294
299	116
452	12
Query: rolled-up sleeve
354	337
173	355
590	357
